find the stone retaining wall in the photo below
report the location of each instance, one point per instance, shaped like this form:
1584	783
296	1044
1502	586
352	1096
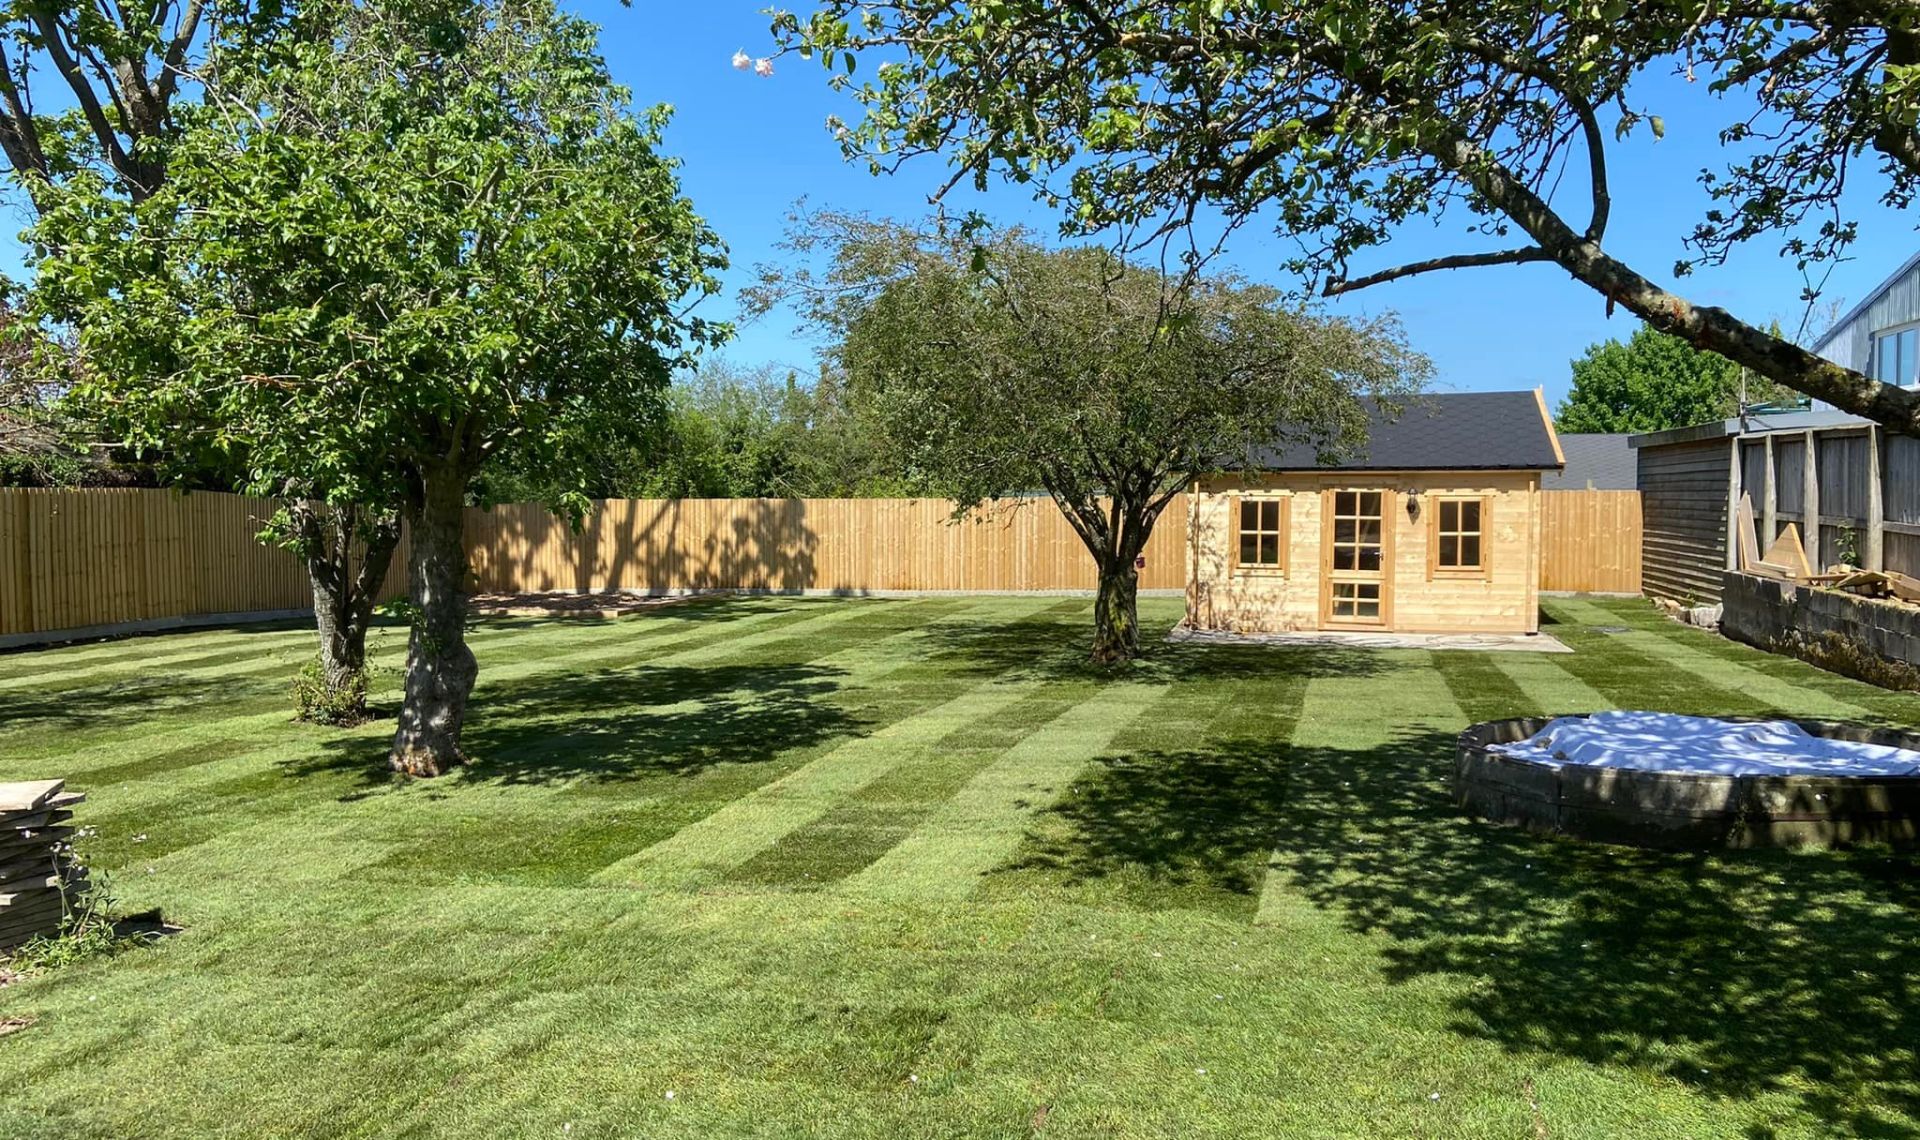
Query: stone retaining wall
1833	629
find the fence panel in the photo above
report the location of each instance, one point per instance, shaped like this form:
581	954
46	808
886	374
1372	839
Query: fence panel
1590	541
78	559
844	545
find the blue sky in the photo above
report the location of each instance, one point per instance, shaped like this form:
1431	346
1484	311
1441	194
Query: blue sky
752	147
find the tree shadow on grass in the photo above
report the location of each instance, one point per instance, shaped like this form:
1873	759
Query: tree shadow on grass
1054	645
111	703
1188	822
1788	976
628	724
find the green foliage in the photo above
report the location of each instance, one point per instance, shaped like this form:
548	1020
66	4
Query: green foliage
1340	122
413	233
320	699
1654	382
40	443
989	365
729	432
87	930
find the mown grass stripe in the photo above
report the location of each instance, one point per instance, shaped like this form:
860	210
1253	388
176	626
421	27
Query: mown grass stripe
1551	689
943	860
1883	704
33	660
744	828
1480	689
531	656
886	805
1182	815
1352	758
1686	656
363	739
343	761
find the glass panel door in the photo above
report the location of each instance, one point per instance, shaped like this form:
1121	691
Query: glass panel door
1356	587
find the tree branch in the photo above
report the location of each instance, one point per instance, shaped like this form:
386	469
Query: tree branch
1433	264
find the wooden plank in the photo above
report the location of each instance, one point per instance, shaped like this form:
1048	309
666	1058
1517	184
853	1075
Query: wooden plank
1747	538
27	795
1786	551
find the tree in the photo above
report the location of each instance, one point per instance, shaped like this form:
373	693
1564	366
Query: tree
992	366
1654	382
1345	119
37	444
121	66
425	239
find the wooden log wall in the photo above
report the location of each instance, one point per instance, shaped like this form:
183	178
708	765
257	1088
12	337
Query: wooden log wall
107	560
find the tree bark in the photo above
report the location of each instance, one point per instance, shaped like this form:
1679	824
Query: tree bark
343	592
440	667
1116	613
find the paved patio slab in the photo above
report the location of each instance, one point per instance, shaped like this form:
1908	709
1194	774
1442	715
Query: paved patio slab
1348	639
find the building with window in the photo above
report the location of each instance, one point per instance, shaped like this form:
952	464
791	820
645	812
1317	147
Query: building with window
1432	526
1880	336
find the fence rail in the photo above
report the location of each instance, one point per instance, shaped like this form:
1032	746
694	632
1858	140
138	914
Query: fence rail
93	559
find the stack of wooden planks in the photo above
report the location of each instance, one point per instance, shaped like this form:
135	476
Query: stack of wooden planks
36	878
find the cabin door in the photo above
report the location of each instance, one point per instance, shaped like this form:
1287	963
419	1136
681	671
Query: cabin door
1357	561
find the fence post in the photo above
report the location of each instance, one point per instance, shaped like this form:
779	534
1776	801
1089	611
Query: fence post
1810	502
1770	496
1876	504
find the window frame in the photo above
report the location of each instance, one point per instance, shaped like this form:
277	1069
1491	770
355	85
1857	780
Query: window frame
1482	570
1261	569
1893	332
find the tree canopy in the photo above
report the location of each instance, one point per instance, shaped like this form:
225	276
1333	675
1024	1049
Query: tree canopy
1653	382
1342	121
419	238
992	366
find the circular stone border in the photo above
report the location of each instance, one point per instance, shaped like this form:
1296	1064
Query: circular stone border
1645	808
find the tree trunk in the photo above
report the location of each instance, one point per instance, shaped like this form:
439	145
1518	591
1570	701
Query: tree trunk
440	667
343	594
1116	614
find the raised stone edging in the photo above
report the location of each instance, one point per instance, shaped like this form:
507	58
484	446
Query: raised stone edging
1684	809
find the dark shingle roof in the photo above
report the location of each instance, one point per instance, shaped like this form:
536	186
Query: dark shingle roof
1605	462
1460	431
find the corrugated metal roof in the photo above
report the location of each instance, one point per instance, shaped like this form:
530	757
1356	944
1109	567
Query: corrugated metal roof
1602	461
1447	431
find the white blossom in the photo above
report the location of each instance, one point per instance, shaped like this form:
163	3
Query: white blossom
763	67
741	60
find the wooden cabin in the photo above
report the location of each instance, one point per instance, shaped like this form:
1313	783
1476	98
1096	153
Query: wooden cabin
1432	526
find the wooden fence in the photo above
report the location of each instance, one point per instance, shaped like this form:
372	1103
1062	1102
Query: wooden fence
842	545
94	559
1592	541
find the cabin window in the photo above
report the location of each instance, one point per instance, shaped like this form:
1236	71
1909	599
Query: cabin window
1895	356
1459	536
1260	532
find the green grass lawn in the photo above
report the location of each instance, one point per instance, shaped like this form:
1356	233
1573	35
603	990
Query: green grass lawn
786	868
